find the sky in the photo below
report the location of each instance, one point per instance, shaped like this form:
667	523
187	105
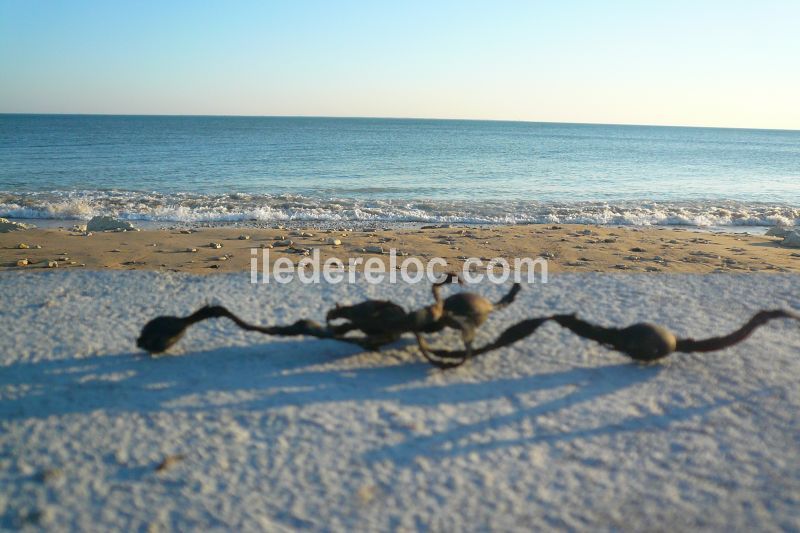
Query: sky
695	63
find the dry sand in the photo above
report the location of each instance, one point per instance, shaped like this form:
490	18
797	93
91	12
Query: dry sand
241	431
568	248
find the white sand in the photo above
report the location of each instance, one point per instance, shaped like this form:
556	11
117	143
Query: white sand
285	434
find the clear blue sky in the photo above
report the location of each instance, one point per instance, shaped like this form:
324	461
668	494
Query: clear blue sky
715	63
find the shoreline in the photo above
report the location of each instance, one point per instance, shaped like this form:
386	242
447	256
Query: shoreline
567	247
67	223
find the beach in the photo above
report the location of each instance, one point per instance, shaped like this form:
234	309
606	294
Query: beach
234	429
145	216
567	248
246	431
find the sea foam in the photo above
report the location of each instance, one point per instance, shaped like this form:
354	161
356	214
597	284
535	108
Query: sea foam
189	207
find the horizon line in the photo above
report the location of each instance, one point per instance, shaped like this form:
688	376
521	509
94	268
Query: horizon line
363	117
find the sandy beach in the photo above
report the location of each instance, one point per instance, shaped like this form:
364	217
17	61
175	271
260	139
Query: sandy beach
567	248
243	431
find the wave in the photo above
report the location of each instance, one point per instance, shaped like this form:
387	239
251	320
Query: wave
189	207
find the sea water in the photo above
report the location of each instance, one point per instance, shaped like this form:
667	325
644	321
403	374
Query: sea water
169	168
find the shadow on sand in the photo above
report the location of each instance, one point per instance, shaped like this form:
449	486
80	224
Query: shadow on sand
278	374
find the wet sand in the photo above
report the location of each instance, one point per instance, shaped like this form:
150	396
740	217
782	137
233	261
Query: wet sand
567	248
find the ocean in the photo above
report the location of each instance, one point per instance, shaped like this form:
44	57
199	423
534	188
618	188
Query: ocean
191	169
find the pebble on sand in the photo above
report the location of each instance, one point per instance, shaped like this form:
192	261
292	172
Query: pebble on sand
8	226
106	223
792	239
169	461
778	231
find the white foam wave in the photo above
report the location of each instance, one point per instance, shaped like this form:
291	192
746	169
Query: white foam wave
187	207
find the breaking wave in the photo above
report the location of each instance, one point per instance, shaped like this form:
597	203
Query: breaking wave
189	207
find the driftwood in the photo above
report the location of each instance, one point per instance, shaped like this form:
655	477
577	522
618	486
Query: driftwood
375	323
